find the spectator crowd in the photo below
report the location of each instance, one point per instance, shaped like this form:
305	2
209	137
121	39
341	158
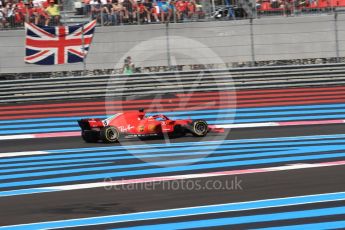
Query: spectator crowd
288	6
113	12
41	12
108	12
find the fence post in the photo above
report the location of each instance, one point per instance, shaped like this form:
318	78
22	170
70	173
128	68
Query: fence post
336	35
168	44
252	46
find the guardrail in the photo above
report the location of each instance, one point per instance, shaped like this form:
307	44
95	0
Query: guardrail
83	87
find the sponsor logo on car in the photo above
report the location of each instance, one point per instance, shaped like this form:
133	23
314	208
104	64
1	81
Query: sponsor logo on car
141	128
125	128
151	128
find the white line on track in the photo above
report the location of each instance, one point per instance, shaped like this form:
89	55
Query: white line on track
110	184
15	137
28	153
196	175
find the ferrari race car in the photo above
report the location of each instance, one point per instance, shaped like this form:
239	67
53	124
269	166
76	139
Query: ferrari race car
136	123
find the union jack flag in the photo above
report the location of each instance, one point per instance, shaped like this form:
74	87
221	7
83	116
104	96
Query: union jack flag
51	45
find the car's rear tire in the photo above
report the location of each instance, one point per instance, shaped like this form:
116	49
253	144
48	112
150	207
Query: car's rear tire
89	136
110	134
199	128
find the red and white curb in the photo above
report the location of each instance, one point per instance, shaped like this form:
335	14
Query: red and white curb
224	126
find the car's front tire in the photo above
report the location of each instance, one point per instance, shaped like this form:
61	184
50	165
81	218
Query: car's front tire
199	128
110	134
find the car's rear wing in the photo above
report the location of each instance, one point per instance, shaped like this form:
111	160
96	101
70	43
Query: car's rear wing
90	123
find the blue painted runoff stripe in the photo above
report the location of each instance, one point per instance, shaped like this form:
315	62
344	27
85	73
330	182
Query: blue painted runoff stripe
289	118
39	125
123	153
112	156
232	148
244	142
18	129
146	152
39	130
49	119
186	113
190	211
312	150
229	221
314	226
35	161
276	119
254	143
155	153
152	171
28	191
211	116
250	110
240	115
235	144
21	169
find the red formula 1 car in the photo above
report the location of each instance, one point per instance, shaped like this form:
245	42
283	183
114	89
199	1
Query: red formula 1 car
136	123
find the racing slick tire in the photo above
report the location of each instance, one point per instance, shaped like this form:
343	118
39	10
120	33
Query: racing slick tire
110	134
89	136
199	128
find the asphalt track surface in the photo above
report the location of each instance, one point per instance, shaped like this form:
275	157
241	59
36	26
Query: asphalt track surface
101	202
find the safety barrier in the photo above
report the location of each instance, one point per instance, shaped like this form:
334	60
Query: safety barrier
83	87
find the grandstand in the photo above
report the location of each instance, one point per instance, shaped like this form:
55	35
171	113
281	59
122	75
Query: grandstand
112	12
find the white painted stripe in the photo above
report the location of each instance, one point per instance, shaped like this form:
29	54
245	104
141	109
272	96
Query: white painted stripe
296	166
247	125
28	153
193	176
14	137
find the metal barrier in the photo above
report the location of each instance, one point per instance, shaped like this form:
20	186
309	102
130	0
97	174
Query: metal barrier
43	89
